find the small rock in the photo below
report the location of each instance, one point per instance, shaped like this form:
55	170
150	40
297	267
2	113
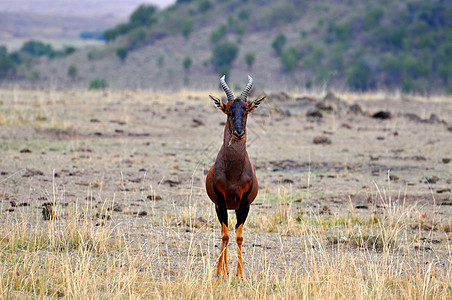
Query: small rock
346	125
314	114
32	172
197	123
393	177
356	109
142	213
433	179
154	197
83	149
422	248
321	139
172	181
382	115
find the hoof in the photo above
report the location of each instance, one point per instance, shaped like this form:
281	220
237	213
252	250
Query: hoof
221	277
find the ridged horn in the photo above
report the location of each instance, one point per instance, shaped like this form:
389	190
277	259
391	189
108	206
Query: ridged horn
246	90
226	88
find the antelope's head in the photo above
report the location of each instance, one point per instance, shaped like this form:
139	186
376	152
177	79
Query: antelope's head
238	108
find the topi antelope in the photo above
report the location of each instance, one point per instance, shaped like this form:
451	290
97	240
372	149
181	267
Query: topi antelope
231	182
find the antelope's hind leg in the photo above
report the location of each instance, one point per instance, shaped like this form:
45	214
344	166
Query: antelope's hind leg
222	213
242	214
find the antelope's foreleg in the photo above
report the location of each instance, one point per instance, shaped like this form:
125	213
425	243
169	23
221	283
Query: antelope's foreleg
222	265
242	214
239	238
222	213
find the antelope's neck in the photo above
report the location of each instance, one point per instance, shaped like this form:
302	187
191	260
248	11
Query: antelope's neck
234	154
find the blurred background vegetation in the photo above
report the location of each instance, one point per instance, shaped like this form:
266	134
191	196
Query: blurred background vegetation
357	45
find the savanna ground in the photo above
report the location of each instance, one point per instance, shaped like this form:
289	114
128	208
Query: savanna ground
121	176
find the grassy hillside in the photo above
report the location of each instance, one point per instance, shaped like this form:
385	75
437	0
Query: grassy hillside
290	45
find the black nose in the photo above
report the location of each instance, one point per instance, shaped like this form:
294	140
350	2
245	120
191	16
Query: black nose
239	133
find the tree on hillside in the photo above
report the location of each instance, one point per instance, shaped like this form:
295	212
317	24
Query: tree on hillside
121	52
249	58
187	63
218	34
359	75
37	48
289	59
224	54
187	28
278	43
7	65
143	15
72	72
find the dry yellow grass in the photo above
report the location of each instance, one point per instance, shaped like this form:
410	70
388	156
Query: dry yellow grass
74	258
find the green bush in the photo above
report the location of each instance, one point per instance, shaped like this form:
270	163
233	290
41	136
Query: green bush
289	59
224	54
37	48
68	50
7	65
187	28
279	42
143	15
249	58
359	76
97	84
136	38
338	32
243	14
372	18
204	6
187	63
121	52
218	34
72	72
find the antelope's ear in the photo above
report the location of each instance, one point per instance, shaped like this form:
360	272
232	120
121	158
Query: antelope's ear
218	103
253	105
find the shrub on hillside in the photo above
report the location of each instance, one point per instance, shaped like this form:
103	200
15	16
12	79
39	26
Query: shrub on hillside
218	34
204	6
72	72
7	65
136	38
249	58
224	54
97	84
187	63
372	18
279	42
144	15
289	59
121	52
187	28
359	76
37	48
